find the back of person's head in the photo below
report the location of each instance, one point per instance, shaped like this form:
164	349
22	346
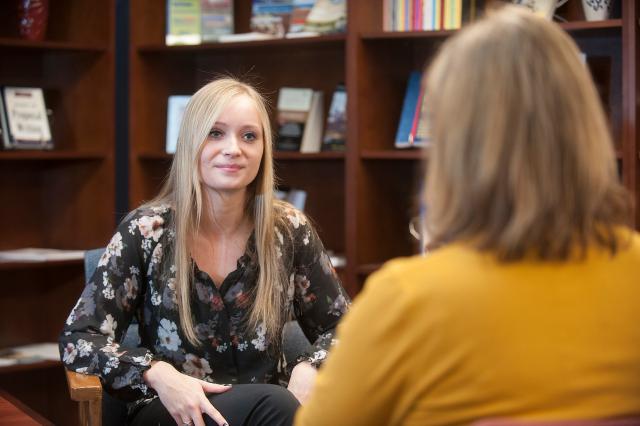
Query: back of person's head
522	162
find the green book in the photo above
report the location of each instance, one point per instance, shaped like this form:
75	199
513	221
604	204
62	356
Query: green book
183	22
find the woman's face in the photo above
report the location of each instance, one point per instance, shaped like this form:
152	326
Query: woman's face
230	158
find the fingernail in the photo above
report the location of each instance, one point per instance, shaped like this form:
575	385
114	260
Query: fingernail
225	424
227	384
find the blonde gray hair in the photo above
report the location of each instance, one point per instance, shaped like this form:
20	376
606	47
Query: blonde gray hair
523	162
183	192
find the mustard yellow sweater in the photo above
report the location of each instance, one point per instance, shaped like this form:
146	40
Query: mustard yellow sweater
456	337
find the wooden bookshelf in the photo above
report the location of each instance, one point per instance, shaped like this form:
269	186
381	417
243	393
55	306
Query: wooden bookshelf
382	181
157	71
371	188
62	198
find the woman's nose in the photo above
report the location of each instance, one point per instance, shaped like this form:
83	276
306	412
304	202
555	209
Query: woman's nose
231	147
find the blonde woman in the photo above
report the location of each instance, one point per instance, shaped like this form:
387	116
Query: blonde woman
212	268
530	306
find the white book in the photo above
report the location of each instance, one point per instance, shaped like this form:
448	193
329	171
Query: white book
27	124
175	111
242	37
312	136
29	353
39	255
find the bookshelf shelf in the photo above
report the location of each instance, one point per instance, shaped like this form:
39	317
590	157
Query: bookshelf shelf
368	269
574	26
8	43
16	266
63	198
32	366
154	156
405	35
50	156
318	156
615	24
282	43
405	154
374	66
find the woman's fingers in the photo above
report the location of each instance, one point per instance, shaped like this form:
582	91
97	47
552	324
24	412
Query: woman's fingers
209	410
214	387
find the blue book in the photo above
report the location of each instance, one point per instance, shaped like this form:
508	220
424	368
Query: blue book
404	135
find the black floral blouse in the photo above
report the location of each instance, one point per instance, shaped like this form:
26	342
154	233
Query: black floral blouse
129	281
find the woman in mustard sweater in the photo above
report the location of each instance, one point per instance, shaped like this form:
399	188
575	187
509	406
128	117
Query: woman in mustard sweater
530	307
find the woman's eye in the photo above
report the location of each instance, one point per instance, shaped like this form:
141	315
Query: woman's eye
215	133
250	136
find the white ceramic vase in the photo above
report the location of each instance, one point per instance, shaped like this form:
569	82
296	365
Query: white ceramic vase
597	10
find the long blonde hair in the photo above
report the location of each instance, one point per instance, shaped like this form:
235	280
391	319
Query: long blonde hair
523	161
183	192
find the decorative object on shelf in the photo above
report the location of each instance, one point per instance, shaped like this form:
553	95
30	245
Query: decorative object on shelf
327	16
32	19
597	10
299	14
183	22
175	110
24	123
336	132
544	8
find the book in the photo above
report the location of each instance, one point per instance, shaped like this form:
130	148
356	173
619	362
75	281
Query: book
176	105
242	37
296	197
312	136
27	354
299	13
39	255
271	16
335	134
294	106
24	120
183	22
216	19
410	106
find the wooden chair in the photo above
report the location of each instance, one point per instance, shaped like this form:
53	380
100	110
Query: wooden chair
626	421
99	408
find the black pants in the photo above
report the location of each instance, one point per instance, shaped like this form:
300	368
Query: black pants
250	405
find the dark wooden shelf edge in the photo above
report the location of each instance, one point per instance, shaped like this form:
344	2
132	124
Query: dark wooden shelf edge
39	365
567	26
50	156
154	156
280	42
391	35
591	25
14	43
298	156
7	266
398	154
368	268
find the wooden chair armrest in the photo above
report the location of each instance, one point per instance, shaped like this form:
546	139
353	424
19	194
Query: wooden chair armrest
83	387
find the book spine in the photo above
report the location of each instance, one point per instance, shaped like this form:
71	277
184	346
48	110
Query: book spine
4	126
408	111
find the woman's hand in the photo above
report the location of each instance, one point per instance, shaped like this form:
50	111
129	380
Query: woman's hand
184	396
303	377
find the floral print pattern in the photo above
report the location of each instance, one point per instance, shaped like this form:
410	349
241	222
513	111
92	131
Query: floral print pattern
131	281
